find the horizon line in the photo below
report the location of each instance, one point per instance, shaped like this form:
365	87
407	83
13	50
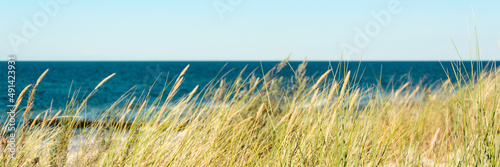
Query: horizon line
246	60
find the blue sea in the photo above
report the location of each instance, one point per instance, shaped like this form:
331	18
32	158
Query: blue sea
84	76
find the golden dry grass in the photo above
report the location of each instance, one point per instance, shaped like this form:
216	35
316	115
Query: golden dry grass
259	122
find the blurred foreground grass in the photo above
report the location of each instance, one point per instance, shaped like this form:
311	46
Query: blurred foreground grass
272	121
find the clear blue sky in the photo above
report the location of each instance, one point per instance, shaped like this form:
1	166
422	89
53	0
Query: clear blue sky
248	30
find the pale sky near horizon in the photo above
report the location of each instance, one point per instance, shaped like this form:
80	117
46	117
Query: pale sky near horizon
247	29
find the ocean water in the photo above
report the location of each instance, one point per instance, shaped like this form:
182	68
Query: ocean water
84	76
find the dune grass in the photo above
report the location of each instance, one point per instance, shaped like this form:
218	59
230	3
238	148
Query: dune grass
272	121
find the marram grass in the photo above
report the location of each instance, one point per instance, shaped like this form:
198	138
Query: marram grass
272	121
